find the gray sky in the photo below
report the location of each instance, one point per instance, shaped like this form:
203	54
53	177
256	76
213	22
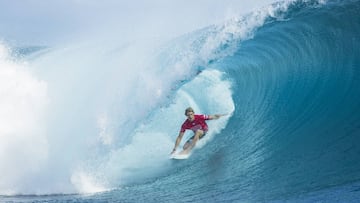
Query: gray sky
48	21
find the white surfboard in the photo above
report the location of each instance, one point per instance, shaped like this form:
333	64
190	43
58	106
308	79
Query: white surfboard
181	155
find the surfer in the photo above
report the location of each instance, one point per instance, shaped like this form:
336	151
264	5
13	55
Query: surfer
197	124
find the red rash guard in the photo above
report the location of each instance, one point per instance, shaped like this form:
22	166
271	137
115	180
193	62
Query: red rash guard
197	124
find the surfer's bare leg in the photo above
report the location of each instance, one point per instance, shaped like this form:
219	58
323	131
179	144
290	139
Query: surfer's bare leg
189	145
186	145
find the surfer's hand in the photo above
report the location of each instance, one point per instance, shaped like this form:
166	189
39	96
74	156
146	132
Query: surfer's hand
216	116
219	115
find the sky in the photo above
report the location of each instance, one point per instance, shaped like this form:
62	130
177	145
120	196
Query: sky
43	22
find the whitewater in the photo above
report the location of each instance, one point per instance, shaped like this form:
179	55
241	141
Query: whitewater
93	118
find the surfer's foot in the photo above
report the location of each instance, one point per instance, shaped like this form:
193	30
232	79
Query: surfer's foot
184	152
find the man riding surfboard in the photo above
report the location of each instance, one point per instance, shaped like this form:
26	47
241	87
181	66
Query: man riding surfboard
197	124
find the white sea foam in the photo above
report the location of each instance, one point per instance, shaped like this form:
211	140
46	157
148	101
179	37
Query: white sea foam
23	102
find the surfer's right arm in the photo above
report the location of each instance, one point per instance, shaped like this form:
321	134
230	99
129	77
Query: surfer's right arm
178	140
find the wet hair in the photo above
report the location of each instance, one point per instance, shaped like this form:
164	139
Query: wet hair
189	109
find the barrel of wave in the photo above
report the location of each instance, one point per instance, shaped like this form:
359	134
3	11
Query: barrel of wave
146	156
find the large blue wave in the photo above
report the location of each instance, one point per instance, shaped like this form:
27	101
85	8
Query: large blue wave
296	125
297	95
289	77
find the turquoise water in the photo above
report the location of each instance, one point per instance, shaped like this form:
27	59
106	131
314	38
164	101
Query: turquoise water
289	78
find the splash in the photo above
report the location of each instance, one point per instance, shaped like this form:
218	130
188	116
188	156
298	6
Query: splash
23	104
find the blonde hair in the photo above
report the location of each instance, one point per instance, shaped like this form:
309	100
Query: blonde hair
189	109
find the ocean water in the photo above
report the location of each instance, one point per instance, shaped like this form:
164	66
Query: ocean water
95	121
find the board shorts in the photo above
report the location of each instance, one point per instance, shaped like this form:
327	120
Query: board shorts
191	138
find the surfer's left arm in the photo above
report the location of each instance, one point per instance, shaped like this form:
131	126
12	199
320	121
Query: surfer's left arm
216	116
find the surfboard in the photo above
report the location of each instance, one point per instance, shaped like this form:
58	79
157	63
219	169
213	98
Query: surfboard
181	155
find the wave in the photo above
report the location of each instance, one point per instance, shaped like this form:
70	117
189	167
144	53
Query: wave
297	101
287	74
